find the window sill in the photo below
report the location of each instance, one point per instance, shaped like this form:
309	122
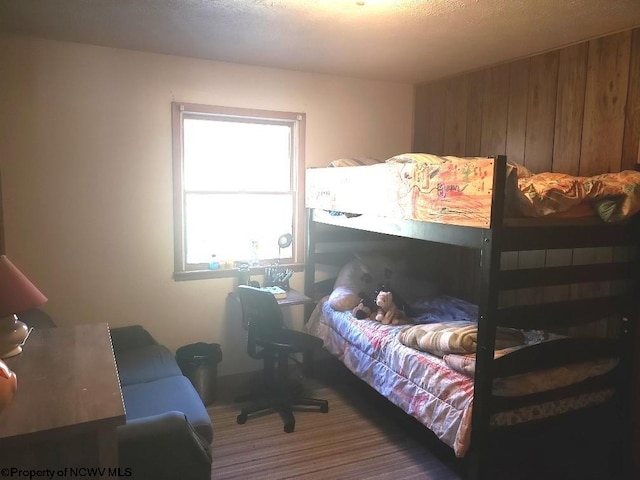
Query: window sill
186	275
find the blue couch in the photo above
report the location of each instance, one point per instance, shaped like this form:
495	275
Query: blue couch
168	431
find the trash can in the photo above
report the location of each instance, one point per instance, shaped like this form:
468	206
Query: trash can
199	363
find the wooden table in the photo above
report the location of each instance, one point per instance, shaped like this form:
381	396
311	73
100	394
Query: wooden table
68	403
294	297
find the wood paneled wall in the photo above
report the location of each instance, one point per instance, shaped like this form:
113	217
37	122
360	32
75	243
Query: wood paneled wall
2	250
575	110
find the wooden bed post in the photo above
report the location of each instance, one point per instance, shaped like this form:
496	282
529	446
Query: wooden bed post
310	263
2	246
487	322
630	385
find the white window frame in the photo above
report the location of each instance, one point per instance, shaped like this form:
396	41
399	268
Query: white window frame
184	271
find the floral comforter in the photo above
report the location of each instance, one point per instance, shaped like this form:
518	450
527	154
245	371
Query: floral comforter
419	383
611	196
426	386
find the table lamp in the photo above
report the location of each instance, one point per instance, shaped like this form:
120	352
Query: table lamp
17	294
283	242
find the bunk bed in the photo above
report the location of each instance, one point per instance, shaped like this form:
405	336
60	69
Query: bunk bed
419	205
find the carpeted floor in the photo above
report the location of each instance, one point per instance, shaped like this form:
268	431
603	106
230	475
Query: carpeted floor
365	437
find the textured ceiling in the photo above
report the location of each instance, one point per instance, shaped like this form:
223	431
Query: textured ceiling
402	40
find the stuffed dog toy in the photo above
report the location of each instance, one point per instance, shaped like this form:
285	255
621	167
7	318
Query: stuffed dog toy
388	313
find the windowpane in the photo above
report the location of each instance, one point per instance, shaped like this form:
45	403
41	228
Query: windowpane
237	184
234	156
226	224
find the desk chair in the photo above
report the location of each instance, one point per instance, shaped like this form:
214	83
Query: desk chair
269	340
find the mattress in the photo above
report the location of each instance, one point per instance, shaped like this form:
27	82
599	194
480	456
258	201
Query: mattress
458	191
438	189
421	384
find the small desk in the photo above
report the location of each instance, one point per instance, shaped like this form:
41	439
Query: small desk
68	403
294	297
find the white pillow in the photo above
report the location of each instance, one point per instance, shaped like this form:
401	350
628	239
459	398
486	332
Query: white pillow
363	274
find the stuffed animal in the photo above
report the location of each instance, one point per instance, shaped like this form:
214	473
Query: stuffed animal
388	313
366	308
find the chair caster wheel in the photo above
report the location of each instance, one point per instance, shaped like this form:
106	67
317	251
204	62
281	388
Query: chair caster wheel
324	408
288	427
242	419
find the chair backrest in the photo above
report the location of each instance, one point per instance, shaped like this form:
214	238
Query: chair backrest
261	315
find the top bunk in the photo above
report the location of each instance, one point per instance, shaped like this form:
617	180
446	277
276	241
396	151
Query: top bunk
468	201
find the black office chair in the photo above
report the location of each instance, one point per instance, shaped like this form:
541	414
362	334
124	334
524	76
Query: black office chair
269	340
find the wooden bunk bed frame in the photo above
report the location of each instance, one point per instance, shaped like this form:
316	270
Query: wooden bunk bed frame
513	235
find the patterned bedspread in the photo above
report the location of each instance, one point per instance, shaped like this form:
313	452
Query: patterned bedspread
426	387
611	196
458	191
419	383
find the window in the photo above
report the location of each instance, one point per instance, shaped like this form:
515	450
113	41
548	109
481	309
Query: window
237	186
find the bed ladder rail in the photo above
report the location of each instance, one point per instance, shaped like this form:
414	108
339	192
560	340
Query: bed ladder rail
600	383
544	237
565	275
557	315
555	353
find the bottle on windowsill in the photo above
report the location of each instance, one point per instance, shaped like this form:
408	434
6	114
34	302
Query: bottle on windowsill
255	254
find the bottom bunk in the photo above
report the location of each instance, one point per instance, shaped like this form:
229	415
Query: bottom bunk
433	389
425	365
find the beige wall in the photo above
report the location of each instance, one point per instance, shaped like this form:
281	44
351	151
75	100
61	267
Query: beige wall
85	153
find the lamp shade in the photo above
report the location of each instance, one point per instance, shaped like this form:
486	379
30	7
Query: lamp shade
17	293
